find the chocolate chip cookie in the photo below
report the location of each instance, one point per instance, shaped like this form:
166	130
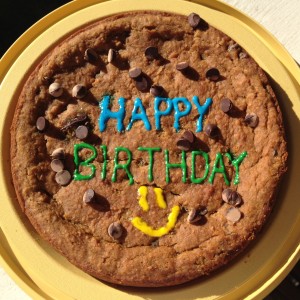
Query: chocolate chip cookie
147	148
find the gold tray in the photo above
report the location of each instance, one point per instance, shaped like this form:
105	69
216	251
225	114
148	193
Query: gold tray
44	274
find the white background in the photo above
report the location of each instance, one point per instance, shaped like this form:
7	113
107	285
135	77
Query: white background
280	17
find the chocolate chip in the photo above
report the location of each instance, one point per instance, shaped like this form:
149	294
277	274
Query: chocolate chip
233	214
193	216
232	47
231	197
111	55
226	194
194	20
213	74
135	72
226	105
89	196
79	91
243	55
57	165
183	144
151	52
41	123
203	211
141	84
189	136
55	89
47	80
79	119
156	90
90	55
58	153
251	120
115	230
182	66
63	177
211	130
186	141
81	132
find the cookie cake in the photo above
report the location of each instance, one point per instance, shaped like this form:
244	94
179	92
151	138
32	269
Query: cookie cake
147	148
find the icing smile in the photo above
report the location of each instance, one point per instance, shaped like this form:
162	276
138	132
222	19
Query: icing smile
141	225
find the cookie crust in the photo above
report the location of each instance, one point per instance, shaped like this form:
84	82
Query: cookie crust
80	231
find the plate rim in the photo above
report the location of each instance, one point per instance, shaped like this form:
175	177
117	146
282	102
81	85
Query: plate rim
7	61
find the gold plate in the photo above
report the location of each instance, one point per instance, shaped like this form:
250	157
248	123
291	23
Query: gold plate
44	274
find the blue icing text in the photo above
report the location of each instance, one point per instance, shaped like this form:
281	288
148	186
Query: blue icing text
202	109
107	114
158	113
139	116
178	113
139	112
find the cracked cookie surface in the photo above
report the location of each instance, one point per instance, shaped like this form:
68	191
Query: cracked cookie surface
83	232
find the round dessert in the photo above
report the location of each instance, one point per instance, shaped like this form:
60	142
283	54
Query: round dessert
147	148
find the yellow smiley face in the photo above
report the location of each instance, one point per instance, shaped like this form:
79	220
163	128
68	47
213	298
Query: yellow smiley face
141	225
